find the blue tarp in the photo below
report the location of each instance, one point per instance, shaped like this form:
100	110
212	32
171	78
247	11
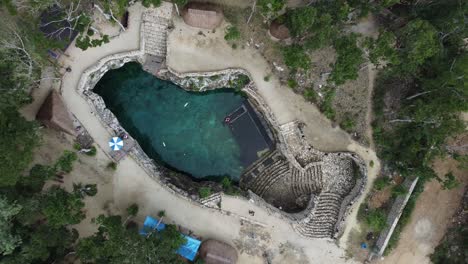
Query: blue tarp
188	250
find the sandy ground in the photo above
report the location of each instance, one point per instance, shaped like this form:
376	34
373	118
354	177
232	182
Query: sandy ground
431	216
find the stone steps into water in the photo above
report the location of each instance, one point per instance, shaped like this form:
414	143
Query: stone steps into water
307	181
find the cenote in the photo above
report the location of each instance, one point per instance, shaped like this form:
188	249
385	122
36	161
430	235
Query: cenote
183	130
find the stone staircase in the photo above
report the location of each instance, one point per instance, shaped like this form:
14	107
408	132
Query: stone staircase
269	176
307	181
322	219
155	26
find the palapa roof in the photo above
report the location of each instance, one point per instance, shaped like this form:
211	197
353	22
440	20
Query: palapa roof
217	252
202	15
279	30
54	114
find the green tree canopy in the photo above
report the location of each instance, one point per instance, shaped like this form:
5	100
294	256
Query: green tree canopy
61	207
301	20
295	57
113	243
349	59
8	241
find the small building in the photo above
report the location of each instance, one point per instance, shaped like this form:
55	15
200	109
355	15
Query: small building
54	114
217	252
202	15
279	31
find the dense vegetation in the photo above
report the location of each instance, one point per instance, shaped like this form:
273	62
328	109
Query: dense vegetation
35	221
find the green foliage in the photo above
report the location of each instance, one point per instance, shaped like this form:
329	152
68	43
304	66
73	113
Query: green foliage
324	32
348	123
232	33
292	83
419	42
399	190
267	78
65	162
327	105
371	163
8	240
452	249
295	57
180	3
84	41
226	182
113	243
270	8
310	95
383	48
132	210
381	182
151	3
348	60
161	214
37	177
16	152
112	165
84	190
204	192
62	208
376	219
301	20
450	182
92	151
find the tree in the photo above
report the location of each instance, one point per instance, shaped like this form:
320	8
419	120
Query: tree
16	152
295	57
62	208
8	240
65	162
323	32
418	43
270	8
113	243
301	20
348	60
383	49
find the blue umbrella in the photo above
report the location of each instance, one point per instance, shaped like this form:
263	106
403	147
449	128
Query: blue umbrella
116	143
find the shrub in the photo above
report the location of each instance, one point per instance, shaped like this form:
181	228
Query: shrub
348	60
399	190
204	192
450	182
226	182
112	165
292	83
327	104
295	57
232	33
371	163
348	124
132	210
76	146
376	219
381	183
65	162
266	78
92	152
149	3
310	95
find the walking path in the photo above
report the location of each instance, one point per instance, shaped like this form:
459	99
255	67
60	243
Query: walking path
189	51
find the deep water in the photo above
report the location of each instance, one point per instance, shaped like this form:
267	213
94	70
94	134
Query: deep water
181	129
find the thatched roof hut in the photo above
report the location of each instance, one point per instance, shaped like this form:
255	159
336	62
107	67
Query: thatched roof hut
54	114
217	252
202	15
279	31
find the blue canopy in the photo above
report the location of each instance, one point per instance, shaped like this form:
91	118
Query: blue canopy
188	250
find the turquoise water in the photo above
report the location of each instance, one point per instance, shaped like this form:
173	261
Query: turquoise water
191	139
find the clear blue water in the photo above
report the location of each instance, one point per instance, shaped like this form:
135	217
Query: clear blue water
152	111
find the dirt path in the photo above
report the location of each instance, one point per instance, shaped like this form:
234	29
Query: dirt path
430	218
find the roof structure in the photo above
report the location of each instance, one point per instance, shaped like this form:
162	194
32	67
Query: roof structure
279	30
54	114
217	252
202	15
188	250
